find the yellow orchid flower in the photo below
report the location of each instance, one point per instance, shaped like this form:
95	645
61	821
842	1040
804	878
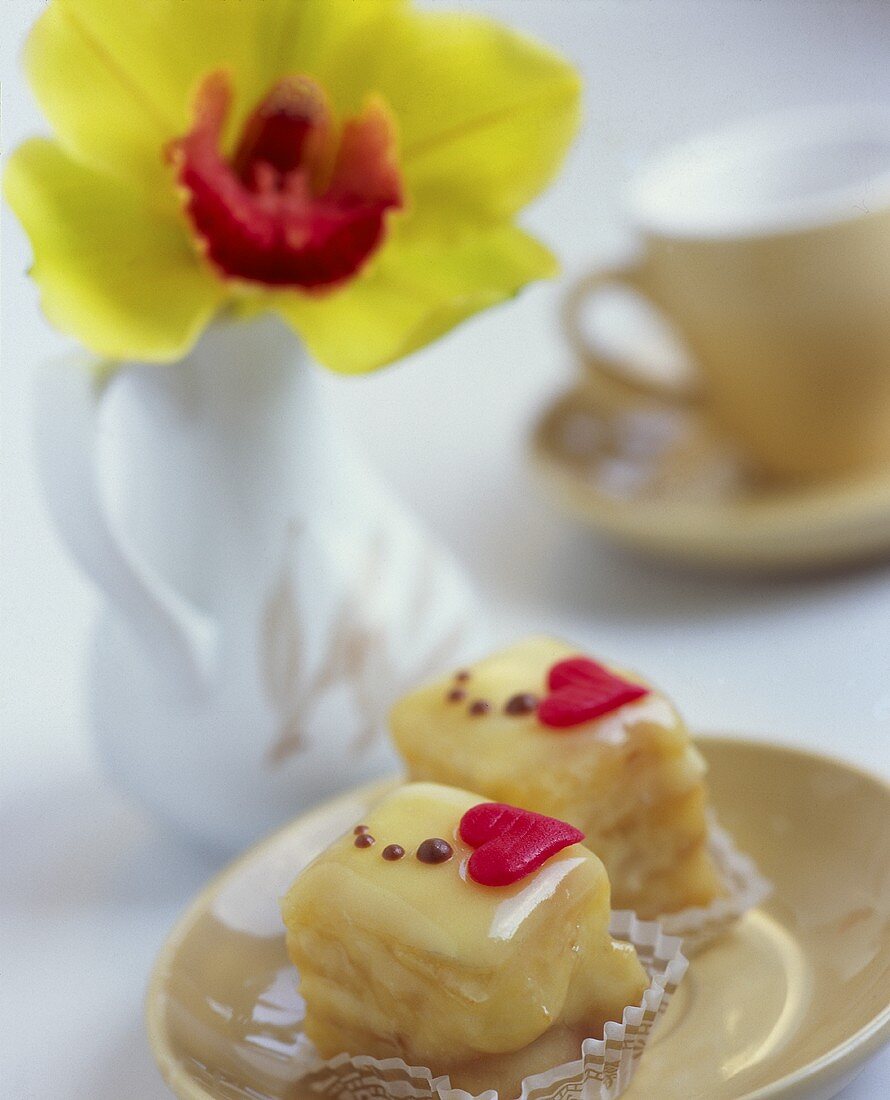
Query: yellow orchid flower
354	165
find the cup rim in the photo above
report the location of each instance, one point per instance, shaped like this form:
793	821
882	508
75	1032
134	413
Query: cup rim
653	205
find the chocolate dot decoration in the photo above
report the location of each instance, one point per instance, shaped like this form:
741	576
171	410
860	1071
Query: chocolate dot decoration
364	840
393	852
435	850
361	829
462	675
524	703
456	695
480	706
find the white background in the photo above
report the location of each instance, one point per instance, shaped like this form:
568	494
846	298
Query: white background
89	884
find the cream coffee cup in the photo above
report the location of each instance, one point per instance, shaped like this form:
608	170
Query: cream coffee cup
768	247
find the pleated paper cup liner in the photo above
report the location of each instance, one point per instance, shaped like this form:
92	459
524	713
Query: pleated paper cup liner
744	889
603	1070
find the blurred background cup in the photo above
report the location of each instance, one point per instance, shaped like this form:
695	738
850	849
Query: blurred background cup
767	246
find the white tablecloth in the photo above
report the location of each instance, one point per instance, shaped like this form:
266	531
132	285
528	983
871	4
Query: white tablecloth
90	885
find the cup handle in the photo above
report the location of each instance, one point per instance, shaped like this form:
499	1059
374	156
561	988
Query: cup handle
617	375
178	638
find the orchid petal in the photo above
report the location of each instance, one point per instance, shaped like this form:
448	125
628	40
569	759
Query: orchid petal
150	55
111	271
413	293
485	115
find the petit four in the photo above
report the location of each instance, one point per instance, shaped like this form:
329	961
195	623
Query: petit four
460	935
541	726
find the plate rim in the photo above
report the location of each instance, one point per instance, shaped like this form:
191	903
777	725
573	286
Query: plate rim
729	533
155	999
846	1056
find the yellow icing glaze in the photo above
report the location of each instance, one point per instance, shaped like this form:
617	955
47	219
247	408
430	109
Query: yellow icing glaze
631	780
417	961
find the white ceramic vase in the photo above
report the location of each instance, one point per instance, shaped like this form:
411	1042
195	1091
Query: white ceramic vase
264	598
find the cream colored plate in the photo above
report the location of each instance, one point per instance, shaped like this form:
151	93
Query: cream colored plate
790	1004
659	479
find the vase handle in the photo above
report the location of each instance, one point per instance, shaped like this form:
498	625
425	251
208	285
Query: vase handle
178	638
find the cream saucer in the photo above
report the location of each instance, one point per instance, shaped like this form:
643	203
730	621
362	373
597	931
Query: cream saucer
657	478
788	1005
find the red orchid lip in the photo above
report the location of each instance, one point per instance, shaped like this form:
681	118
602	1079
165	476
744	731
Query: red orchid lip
298	204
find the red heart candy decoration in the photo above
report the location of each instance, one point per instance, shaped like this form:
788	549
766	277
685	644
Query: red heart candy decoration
511	843
581	689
